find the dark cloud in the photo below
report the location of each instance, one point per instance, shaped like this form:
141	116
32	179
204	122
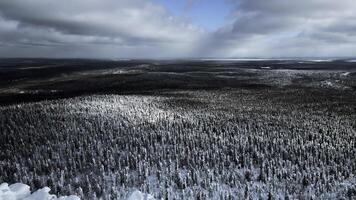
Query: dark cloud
140	28
116	25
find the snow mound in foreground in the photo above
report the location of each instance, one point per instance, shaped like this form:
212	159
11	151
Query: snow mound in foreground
19	191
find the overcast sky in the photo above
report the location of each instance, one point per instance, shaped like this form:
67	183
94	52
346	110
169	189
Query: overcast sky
177	28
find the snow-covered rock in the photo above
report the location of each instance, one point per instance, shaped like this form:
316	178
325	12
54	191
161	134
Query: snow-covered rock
19	191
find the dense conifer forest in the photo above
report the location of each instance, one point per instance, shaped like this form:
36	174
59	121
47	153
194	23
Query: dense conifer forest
265	142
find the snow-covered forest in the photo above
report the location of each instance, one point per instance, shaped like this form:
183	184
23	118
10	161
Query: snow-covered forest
207	144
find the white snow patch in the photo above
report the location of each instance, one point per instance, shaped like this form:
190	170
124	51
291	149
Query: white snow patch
328	83
346	73
137	195
333	85
19	191
320	60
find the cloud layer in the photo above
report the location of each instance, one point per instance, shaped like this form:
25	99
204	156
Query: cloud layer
97	28
279	28
142	29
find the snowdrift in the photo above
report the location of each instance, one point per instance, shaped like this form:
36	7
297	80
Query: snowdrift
19	191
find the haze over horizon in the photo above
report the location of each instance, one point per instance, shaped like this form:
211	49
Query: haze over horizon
177	28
